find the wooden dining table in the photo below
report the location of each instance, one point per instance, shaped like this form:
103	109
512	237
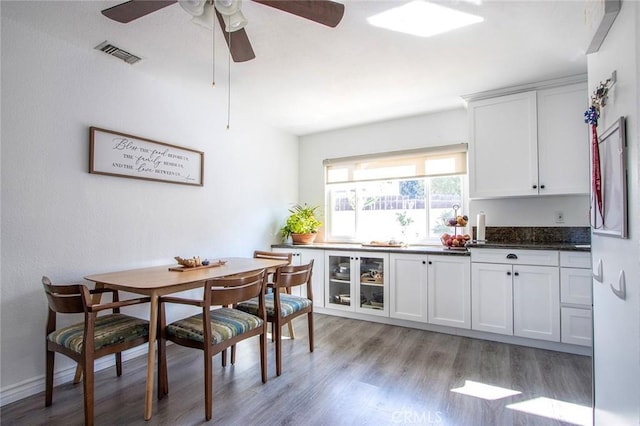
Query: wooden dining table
157	281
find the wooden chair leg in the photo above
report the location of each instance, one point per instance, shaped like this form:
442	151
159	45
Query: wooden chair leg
78	376
233	354
208	387
223	357
278	333
48	398
119	364
310	322
263	356
88	393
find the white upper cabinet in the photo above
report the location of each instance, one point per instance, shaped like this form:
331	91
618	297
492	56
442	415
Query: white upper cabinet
529	143
503	146
563	141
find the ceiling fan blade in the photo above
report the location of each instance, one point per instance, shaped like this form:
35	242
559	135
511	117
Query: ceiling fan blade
238	42
324	12
134	9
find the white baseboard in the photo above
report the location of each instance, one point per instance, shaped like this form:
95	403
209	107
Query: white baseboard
36	385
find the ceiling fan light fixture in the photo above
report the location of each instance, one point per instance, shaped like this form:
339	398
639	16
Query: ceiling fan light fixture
234	22
227	7
193	7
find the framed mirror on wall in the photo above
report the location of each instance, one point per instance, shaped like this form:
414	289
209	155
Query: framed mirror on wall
612	145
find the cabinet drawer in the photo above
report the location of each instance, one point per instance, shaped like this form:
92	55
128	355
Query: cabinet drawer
575	286
576	326
575	259
515	257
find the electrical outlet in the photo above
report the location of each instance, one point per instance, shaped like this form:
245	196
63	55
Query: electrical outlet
559	217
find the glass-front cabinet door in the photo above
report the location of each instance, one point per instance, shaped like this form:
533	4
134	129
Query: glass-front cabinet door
372	283
339	284
357	281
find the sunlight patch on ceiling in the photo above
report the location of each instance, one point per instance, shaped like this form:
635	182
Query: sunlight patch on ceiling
554	409
484	391
423	19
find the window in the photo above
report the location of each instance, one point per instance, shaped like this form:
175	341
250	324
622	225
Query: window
404	196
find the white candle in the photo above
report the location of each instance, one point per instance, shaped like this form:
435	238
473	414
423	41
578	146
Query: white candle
480	231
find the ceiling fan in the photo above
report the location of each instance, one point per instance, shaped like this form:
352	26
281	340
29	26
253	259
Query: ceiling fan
230	16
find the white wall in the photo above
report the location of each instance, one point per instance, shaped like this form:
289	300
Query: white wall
617	322
59	220
443	128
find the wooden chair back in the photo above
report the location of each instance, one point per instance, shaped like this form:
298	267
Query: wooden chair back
227	291
293	276
66	299
258	254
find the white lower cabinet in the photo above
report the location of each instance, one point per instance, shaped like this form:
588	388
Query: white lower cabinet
513	298
577	326
434	289
536	302
408	287
357	281
449	291
492	298
302	257
576	298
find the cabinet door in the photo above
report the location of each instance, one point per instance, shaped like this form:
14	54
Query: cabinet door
304	256
372	283
491	298
503	157
536	302
301	257
339	272
563	141
408	287
449	291
575	286
577	326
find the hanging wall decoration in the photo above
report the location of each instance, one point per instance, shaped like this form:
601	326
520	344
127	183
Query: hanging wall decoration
591	116
119	154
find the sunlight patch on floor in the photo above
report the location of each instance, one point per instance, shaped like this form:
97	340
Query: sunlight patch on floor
484	391
555	409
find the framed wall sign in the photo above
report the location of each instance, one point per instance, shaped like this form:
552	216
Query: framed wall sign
613	165
118	154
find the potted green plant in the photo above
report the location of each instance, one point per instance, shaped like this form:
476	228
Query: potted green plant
302	224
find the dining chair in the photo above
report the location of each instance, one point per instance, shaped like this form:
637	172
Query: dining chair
95	337
214	330
259	254
282	308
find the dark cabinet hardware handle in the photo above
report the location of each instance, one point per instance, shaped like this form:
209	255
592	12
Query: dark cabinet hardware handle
430	263
535	186
424	262
508	273
541	186
516	274
512	256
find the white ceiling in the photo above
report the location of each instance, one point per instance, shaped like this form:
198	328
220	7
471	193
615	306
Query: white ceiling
308	78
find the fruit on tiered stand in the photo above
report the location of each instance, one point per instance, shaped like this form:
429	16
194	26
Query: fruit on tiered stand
456	239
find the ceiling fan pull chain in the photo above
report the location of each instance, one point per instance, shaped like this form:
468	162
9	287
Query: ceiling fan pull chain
213	51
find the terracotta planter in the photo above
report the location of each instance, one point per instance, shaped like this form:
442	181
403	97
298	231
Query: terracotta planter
303	238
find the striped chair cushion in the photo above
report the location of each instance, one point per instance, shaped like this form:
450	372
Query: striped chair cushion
225	324
109	329
288	304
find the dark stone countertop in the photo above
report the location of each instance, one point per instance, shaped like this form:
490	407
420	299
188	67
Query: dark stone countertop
412	249
531	246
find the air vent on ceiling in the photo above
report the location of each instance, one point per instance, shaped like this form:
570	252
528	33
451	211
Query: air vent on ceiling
112	50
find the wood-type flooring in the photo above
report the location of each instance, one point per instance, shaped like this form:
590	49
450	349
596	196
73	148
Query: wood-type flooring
361	373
